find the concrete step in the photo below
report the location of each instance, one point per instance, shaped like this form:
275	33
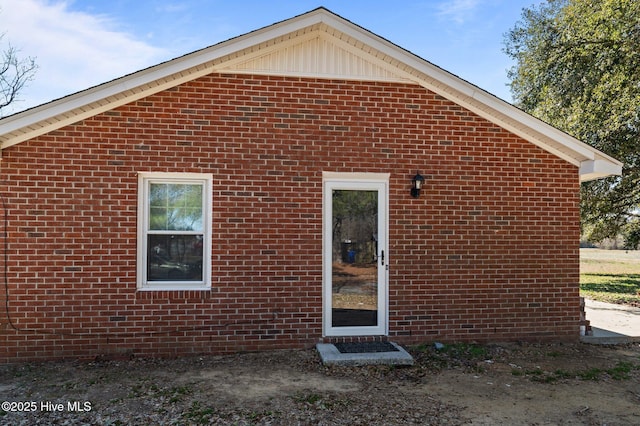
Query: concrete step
330	355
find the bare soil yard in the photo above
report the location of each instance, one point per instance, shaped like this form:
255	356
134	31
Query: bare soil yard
515	384
508	384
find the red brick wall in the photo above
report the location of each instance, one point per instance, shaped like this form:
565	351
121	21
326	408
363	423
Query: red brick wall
489	252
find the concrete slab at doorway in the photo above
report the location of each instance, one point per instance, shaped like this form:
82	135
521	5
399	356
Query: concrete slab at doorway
330	355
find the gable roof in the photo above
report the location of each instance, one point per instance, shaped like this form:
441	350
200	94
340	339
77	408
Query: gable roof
316	44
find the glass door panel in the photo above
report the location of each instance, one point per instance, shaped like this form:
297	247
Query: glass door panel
354	265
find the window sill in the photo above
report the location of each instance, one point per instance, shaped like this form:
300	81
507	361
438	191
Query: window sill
174	288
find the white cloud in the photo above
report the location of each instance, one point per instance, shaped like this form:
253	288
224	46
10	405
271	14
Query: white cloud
458	10
73	50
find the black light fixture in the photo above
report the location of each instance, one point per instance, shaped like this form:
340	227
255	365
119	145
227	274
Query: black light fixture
416	185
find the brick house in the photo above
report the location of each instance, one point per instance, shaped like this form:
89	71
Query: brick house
258	194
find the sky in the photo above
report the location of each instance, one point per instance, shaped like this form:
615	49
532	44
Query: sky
78	44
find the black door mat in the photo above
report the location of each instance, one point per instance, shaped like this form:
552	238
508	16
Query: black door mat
364	347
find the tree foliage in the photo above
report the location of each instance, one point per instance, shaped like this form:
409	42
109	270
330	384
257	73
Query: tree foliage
14	74
577	67
355	219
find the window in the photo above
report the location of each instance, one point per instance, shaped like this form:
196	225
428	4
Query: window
174	236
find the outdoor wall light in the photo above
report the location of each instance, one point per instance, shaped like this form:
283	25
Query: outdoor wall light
416	185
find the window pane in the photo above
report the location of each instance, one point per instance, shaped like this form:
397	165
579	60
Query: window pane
174	258
181	195
158	194
175	207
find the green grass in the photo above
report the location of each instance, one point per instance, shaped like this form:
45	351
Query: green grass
621	371
614	288
466	355
590	374
311	398
610	276
199	414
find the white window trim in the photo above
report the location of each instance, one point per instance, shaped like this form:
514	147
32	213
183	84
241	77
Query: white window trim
206	179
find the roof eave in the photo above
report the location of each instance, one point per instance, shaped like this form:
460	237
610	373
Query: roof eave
493	108
592	163
598	169
125	89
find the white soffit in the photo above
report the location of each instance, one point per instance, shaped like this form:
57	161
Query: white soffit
317	44
312	53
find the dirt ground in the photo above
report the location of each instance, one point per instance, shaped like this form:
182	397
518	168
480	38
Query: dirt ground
354	287
511	384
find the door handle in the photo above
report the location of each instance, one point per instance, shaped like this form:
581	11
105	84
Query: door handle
382	257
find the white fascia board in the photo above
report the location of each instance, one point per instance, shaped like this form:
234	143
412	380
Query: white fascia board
499	111
187	67
98	99
537	125
470	96
78	107
596	169
403	56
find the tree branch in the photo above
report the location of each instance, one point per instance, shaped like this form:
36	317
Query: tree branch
14	74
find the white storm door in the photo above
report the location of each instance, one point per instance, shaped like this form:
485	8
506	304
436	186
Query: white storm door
355	254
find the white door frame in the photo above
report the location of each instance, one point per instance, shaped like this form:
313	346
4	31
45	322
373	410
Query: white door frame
365	182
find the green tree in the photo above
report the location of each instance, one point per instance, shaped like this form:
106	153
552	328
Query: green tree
577	67
355	218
